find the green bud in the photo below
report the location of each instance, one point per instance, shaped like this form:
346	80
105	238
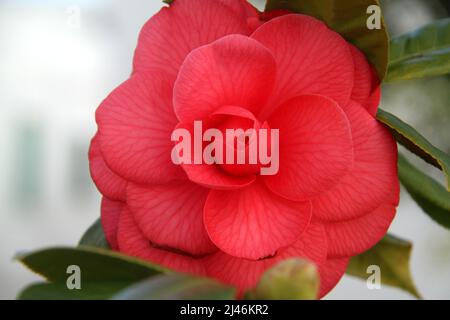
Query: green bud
293	279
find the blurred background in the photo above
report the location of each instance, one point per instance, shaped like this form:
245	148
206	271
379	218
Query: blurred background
60	58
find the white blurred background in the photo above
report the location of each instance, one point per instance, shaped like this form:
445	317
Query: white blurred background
60	58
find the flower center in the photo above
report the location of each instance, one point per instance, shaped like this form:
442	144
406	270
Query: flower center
241	146
231	138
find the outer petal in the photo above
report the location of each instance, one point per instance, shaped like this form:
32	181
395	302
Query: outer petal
352	237
374	101
110	214
313	245
331	271
374	172
311	59
234	70
366	90
240	273
363	76
245	274
315	147
108	183
172	215
135	125
168	37
242	8
253	223
269	15
133	242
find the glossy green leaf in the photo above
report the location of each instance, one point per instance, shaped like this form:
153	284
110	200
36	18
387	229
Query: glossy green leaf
422	53
59	291
416	143
349	18
103	272
177	287
94	236
292	279
392	256
96	264
428	193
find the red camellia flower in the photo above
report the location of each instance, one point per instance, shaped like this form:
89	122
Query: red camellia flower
336	190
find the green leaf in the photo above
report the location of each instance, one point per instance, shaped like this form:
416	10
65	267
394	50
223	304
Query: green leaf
428	193
59	291
177	287
98	267
392	255
94	236
292	279
416	143
95	264
349	18
422	53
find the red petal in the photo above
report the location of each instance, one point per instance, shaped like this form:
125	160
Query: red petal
135	125
312	245
108	183
170	35
252	222
234	70
374	101
231	117
331	271
235	111
315	147
311	59
363	76
240	273
133	242
172	215
352	237
374	172
212	176
269	15
366	90
110	213
245	274
241	8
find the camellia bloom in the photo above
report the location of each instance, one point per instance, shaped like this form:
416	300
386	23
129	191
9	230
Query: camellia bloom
221	61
